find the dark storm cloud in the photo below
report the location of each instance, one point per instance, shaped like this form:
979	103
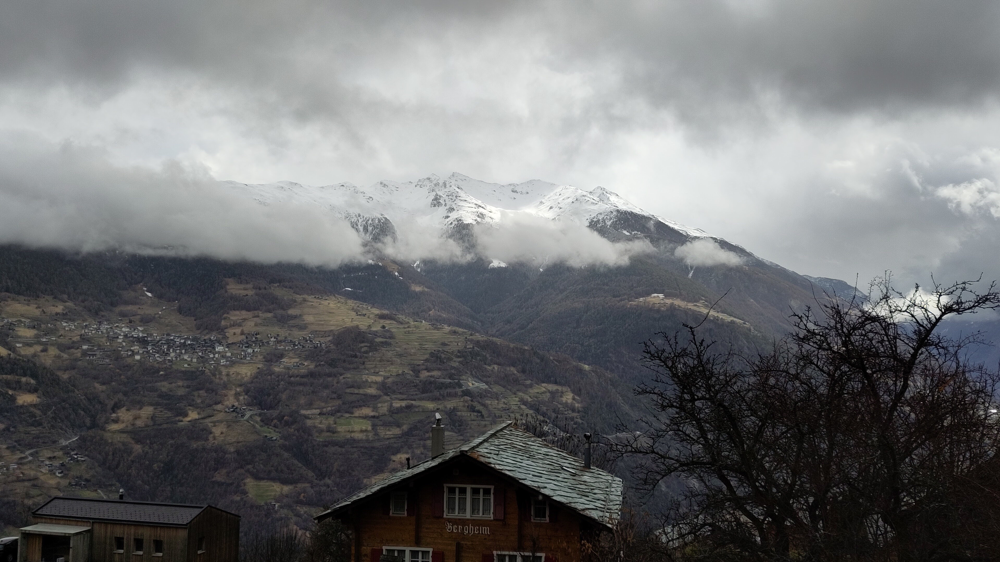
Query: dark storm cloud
103	42
707	60
715	63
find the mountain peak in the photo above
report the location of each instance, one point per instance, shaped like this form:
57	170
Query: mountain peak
457	200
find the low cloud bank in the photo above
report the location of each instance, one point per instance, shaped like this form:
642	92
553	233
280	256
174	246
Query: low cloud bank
74	198
527	238
419	242
705	252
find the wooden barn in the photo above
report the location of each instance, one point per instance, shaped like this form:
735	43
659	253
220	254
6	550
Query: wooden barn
91	530
505	496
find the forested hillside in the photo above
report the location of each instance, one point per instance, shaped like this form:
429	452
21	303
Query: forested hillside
259	388
284	387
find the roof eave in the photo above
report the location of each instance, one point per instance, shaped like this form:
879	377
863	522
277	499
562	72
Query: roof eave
109	520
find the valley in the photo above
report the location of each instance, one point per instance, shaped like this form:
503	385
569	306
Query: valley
275	389
279	410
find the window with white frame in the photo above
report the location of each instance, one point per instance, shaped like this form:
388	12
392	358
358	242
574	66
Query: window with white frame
518	557
406	554
469	501
398	503
539	510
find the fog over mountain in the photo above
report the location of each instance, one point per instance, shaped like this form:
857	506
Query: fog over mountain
88	204
838	139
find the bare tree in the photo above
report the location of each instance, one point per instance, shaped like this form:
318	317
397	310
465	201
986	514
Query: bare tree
856	437
330	541
277	545
634	538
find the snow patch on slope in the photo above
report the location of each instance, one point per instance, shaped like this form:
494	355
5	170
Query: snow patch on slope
449	203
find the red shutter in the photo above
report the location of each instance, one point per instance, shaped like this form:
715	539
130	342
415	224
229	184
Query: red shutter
552	512
499	499
410	508
437	501
437	556
376	554
550	558
488	557
388	504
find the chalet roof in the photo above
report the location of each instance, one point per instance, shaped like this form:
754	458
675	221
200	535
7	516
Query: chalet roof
169	514
534	463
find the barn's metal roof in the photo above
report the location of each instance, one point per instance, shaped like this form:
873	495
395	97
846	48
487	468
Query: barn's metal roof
170	514
51	529
534	463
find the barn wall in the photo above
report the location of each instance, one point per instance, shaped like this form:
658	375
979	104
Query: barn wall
103	540
32	550
80	545
222	536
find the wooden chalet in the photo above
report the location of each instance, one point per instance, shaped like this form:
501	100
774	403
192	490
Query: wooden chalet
91	530
505	496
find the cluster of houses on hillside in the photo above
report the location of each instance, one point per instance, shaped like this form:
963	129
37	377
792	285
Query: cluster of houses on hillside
101	341
505	496
57	467
30	465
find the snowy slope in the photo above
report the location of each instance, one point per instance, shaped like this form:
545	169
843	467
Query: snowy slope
450	203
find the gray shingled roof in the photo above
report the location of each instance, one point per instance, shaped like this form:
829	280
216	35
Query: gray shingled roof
534	463
120	510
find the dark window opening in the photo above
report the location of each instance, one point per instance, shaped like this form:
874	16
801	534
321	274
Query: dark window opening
157	547
138	546
119	544
54	547
398	503
540	511
201	545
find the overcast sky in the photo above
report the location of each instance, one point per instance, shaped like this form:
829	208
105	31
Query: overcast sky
838	139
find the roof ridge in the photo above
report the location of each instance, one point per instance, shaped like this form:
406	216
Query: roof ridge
478	441
562	451
119	502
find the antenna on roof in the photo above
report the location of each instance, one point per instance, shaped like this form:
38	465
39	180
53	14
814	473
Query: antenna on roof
586	451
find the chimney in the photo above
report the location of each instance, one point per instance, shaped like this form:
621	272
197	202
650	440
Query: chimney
121	494
586	451
437	437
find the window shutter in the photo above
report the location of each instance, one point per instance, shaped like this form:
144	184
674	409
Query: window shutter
499	499
488	557
550	558
523	504
437	501
409	504
376	554
437	556
553	510
388	504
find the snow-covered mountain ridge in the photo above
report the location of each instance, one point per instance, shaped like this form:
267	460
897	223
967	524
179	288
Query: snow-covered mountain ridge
458	201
